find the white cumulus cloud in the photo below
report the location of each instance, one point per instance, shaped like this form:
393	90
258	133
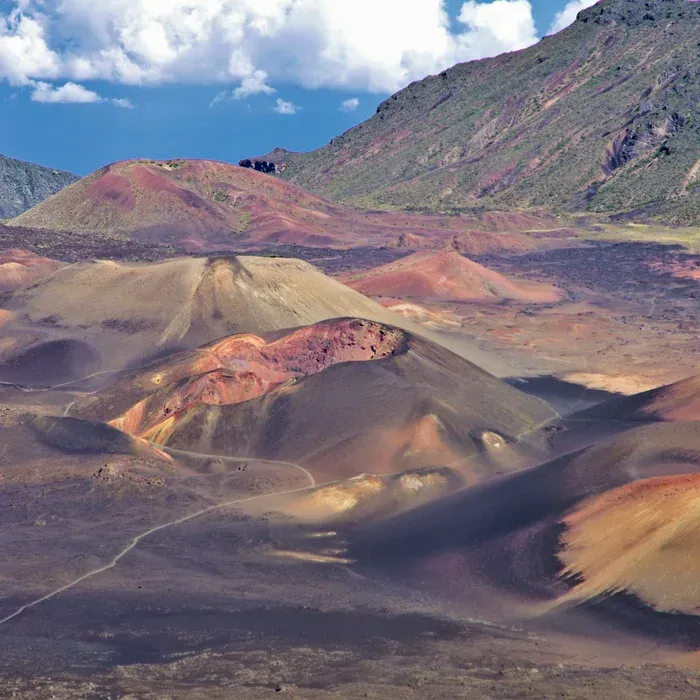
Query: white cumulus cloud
284	107
350	105
252	45
254	84
72	93
566	16
68	93
24	52
495	27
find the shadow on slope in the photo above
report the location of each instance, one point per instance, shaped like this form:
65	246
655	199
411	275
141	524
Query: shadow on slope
616	517
342	397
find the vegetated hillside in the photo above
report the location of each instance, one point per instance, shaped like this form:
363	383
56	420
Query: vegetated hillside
602	117
22	185
205	205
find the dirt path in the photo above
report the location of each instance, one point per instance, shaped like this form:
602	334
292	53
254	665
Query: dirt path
29	390
238	460
135	541
689	178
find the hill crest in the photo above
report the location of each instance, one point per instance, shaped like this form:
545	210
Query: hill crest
113	315
446	275
203	205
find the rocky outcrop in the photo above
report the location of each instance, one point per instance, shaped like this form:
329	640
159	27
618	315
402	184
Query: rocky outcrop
22	185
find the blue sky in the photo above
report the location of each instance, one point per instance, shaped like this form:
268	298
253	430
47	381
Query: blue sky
167	112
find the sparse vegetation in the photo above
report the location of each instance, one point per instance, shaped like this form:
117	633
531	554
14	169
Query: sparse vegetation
221	197
564	125
688	237
244	221
172	164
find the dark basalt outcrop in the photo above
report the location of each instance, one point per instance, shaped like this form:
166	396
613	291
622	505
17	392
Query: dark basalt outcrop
262	166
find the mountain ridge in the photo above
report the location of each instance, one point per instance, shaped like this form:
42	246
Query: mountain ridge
24	184
601	117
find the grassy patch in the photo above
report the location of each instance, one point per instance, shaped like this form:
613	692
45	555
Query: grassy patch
244	221
221	197
689	237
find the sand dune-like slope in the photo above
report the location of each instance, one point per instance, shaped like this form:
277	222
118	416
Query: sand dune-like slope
446	275
676	402
643	538
99	315
19	268
343	397
621	515
427	316
208	205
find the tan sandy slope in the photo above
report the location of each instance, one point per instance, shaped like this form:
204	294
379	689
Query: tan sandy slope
101	315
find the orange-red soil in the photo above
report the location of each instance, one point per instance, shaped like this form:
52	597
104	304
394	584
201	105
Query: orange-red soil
447	275
19	268
245	367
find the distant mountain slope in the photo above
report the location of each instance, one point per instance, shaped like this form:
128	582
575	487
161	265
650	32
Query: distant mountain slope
604	117
210	205
22	185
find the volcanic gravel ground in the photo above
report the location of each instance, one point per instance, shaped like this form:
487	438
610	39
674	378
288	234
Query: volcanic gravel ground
622	270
